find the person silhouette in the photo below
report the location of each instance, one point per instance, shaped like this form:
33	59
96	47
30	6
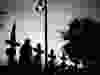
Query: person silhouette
11	52
39	51
26	51
52	55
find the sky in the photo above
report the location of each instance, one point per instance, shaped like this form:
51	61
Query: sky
58	9
22	9
59	14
